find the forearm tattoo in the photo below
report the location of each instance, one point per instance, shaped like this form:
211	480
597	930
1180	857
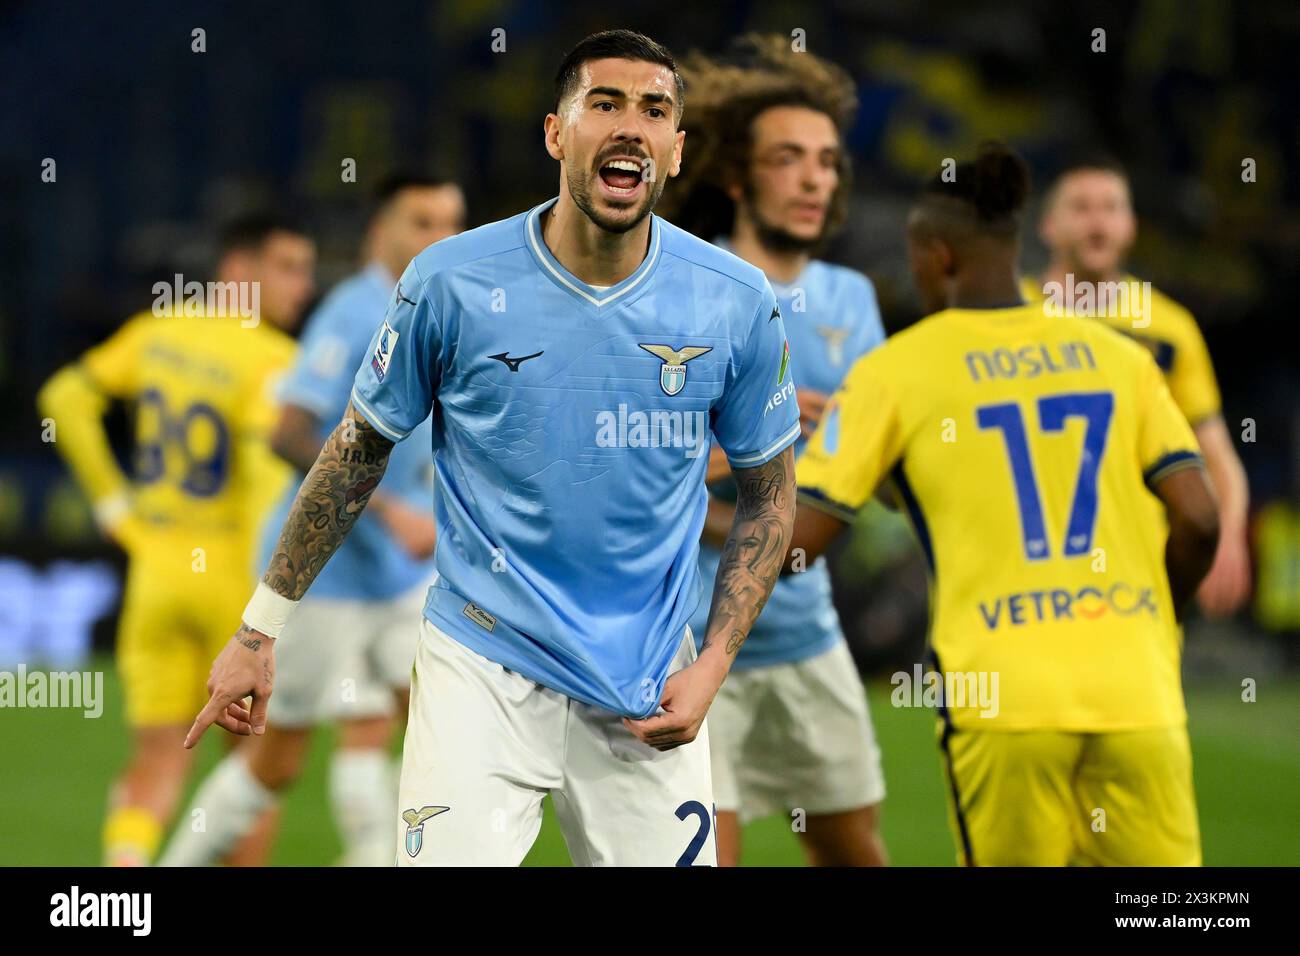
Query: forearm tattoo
755	550
329	501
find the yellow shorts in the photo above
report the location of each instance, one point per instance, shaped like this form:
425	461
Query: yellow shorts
1047	798
174	623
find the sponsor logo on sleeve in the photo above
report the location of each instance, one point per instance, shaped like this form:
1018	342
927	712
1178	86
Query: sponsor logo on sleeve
782	395
785	363
383	350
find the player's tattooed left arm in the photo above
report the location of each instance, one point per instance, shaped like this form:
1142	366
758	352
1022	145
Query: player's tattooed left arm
753	552
815	529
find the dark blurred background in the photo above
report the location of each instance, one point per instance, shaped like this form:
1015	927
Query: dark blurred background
157	145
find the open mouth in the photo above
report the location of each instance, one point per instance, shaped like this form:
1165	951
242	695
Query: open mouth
621	177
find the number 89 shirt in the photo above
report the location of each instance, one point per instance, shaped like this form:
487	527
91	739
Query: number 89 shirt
202	476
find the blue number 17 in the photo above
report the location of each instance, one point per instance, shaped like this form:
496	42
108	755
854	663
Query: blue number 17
1053	410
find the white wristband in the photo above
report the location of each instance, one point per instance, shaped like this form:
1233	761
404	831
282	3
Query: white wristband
268	611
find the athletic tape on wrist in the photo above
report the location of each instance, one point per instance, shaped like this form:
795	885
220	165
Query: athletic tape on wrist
268	611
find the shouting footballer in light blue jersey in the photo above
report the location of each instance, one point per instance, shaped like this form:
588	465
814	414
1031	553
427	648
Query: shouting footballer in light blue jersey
575	360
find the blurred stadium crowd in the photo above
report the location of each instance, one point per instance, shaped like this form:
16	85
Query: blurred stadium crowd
157	145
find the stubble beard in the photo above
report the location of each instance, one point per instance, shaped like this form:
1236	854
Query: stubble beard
580	190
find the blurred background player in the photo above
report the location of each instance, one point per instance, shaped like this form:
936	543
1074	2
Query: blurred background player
203	477
348	653
768	179
1088	225
1030	452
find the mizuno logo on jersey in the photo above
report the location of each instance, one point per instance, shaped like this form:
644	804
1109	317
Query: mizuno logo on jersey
513	363
383	350
672	374
480	617
402	298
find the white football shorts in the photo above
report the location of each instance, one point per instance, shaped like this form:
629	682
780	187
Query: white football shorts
338	659
793	737
485	744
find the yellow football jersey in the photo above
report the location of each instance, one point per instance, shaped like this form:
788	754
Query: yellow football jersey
1022	447
202	391
1175	341
203	476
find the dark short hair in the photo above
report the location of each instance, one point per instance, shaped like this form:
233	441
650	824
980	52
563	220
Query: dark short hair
386	189
615	45
248	233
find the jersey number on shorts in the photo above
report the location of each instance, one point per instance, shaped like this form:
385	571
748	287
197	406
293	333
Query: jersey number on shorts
1053	410
198	433
694	808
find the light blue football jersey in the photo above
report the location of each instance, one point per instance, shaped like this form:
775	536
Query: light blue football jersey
369	565
832	318
571	432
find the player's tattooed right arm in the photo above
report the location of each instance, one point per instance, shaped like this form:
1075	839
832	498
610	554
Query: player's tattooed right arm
329	501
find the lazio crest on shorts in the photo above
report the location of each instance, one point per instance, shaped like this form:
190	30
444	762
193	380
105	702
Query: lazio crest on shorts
415	826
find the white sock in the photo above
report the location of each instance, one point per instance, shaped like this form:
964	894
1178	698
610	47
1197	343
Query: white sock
226	808
364	797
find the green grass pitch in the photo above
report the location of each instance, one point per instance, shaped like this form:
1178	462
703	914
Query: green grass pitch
57	767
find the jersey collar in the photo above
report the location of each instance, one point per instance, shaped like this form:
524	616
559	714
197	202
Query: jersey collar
568	281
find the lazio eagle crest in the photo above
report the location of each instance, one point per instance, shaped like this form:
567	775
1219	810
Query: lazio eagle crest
415	826
835	339
672	374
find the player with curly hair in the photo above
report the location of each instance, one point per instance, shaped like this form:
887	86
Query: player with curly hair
767	178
